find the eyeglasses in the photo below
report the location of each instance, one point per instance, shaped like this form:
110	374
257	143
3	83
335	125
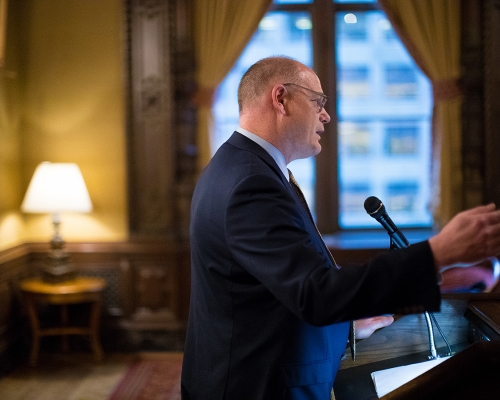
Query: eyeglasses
320	101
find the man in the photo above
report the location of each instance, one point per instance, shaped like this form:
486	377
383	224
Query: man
270	310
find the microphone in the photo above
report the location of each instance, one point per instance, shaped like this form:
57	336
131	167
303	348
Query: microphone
376	209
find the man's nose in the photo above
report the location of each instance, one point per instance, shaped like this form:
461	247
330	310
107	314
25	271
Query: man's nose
324	117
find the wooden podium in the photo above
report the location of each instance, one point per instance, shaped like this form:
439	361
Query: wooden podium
473	372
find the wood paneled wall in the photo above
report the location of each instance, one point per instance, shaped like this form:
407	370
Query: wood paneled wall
480	57
161	128
147	289
148	276
147	293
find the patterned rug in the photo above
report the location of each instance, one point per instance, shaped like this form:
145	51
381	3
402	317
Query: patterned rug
151	377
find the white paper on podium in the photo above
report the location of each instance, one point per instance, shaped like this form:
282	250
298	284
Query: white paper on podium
389	379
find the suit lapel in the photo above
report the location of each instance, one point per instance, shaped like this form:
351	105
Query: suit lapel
244	143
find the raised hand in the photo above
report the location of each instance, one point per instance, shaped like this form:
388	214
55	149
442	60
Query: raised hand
470	237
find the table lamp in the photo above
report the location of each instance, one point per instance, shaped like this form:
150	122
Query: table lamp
57	188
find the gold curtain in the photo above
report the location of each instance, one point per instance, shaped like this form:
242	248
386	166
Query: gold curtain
430	30
222	30
3	26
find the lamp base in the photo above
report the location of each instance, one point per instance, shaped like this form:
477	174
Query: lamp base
58	270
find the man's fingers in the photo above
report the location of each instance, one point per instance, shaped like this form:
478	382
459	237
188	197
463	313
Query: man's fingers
481	209
471	236
366	327
382	321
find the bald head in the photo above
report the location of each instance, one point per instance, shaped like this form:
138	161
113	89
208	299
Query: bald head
262	75
278	100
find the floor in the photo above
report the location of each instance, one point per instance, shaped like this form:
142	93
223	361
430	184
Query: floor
66	377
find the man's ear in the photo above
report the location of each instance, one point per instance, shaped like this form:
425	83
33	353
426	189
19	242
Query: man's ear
279	98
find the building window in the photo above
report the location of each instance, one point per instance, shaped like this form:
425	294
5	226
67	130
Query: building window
401	196
402	140
353	198
353	82
380	99
401	81
352	26
354	138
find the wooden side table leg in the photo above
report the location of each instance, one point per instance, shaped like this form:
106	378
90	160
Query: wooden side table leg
35	331
95	314
64	322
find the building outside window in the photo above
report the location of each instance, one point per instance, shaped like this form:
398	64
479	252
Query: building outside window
353	82
402	138
400	81
380	100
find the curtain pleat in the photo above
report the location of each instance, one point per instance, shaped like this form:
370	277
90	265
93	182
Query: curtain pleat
222	30
3	26
430	30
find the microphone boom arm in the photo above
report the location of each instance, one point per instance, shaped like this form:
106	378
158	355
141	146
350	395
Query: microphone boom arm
376	209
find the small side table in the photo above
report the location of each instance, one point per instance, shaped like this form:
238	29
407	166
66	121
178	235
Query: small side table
79	290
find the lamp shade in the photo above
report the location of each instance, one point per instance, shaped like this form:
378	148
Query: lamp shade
57	187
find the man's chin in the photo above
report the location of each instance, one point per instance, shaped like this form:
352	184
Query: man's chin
314	151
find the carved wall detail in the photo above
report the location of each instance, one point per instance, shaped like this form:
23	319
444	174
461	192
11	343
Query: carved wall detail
481	106
492	99
155	296
472	56
161	152
150	123
112	295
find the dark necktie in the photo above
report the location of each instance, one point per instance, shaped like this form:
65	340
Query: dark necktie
303	201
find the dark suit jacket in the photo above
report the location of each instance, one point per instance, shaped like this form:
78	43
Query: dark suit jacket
269	310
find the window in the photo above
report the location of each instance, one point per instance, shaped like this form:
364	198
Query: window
401	139
381	100
401	196
353	82
353	197
400	81
285	33
352	26
354	138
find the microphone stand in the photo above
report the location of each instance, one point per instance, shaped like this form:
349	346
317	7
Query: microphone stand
376	209
428	316
432	345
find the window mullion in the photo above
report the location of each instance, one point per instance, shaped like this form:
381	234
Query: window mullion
326	198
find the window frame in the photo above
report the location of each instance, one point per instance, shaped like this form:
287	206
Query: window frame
326	199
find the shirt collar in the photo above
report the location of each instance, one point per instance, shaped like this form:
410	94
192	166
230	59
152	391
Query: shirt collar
273	151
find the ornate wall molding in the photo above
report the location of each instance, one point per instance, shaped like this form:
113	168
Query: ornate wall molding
491	25
481	106
150	142
161	150
472	59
